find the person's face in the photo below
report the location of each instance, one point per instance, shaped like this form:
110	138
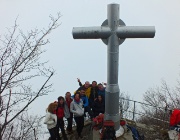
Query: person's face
68	95
82	92
100	87
99	98
61	101
94	84
86	85
77	97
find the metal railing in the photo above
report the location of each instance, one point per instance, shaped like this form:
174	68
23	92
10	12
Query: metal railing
134	110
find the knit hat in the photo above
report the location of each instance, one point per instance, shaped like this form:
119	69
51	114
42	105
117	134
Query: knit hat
99	84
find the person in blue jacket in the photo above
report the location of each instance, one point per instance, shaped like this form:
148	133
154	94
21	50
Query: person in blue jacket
87	108
101	91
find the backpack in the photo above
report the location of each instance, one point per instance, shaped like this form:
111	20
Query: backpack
136	135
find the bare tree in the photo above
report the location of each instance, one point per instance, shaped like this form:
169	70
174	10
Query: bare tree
159	99
20	65
124	105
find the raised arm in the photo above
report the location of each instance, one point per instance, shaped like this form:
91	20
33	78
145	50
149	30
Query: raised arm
79	81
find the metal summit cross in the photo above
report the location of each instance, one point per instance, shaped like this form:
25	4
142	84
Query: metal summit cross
113	32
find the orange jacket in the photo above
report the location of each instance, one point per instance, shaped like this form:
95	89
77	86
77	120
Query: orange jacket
175	117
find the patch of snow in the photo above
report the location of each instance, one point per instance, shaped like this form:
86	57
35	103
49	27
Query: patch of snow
119	132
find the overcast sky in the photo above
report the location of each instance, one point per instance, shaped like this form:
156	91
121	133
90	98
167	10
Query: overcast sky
143	63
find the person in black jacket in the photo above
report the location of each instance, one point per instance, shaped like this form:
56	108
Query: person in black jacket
98	106
94	93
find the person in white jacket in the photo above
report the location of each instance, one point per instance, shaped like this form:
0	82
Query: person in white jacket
76	107
51	121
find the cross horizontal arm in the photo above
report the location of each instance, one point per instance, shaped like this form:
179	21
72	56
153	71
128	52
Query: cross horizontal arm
91	32
135	31
122	32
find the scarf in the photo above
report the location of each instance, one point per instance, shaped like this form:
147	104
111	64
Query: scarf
77	101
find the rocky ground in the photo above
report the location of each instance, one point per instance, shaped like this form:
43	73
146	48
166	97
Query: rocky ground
86	132
149	132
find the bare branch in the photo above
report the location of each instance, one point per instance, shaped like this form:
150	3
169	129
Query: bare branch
20	64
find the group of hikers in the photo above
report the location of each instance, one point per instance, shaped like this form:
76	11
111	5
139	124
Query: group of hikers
88	98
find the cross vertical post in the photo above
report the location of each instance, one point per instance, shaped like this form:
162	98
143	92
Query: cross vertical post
112	88
113	32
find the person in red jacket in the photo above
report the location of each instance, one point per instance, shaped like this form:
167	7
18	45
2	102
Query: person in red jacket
61	112
175	119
